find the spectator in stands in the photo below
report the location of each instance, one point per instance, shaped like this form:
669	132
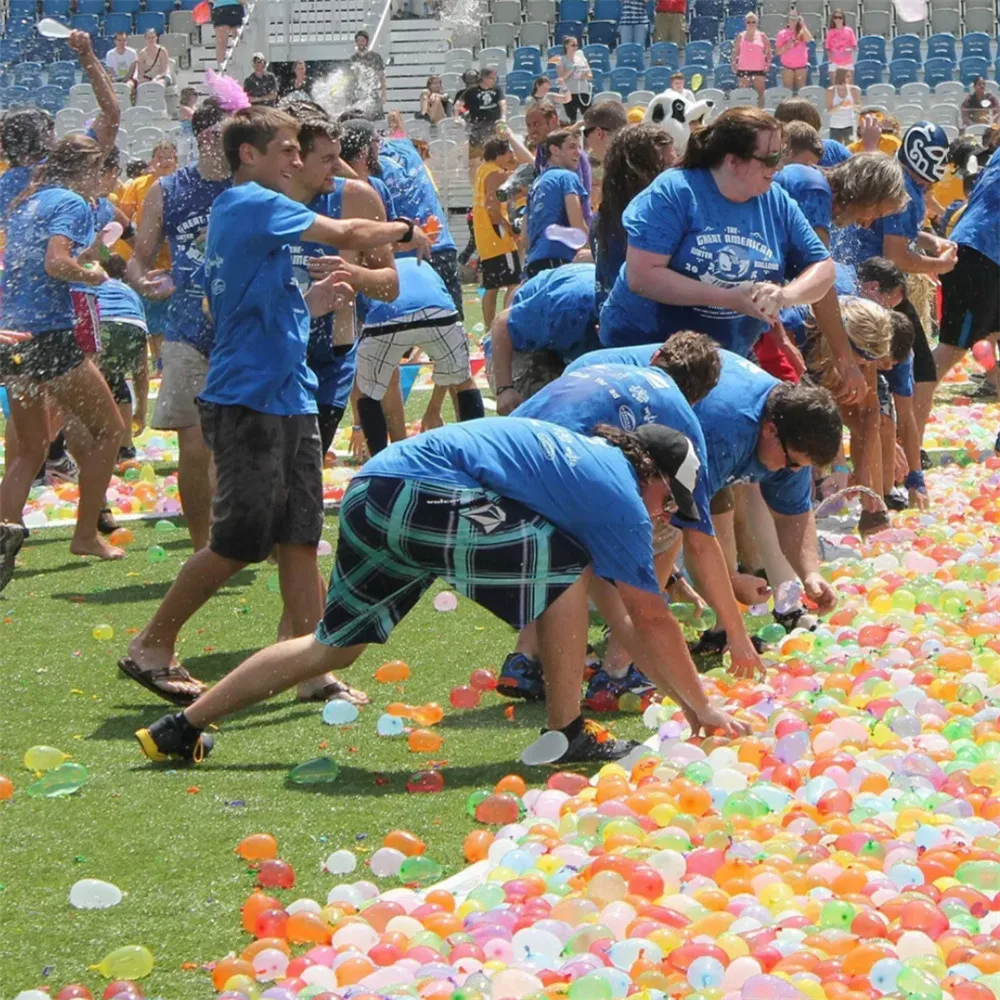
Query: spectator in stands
679	85
152	64
633	25
752	57
261	85
842	100
841	43
875	133
371	90
600	123
227	17
434	104
792	45
299	84
980	107
796	109
541	90
670	22
485	106
555	206
188	100
496	241
470	78
120	59
575	75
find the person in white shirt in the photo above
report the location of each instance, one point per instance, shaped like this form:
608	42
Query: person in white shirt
120	59
677	83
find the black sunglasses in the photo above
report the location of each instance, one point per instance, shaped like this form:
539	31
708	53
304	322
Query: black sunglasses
770	159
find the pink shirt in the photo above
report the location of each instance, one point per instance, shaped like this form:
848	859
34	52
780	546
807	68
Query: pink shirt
753	54
797	57
841	43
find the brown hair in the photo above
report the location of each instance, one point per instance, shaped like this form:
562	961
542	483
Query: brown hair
71	158
256	126
557	138
902	336
837	12
495	147
692	361
803	138
796	109
734	132
547	108
608	115
639	458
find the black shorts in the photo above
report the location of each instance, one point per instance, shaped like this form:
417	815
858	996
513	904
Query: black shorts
445	262
970	295
500	272
924	369
270	480
329	420
45	357
542	264
228	16
397	536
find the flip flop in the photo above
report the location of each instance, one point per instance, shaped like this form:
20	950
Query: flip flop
148	679
337	689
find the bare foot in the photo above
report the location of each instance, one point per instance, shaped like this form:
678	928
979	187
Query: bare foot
95	546
331	687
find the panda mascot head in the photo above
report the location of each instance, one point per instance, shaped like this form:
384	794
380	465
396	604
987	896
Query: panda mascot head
677	113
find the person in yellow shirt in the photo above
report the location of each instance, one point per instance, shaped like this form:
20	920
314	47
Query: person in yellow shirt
888	143
496	243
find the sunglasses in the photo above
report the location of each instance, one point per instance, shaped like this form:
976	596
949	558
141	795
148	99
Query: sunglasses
769	159
790	462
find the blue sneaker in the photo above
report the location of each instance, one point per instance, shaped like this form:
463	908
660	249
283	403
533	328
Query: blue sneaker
521	677
603	684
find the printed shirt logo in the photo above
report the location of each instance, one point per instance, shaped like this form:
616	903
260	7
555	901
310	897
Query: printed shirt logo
726	258
489	517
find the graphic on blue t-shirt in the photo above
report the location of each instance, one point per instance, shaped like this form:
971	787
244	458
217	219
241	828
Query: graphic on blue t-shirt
262	322
413	193
33	301
810	190
624	396
583	485
683	216
555	311
979	226
420	287
547	207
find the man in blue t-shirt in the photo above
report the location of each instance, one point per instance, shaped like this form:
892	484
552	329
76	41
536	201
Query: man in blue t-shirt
258	406
556	228
521	516
551	320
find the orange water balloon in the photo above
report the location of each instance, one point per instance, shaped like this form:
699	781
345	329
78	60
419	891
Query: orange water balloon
257	847
393	672
405	842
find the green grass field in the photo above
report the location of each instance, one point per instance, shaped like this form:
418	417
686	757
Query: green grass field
166	837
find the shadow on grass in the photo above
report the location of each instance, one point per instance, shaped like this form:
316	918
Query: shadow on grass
147	591
491	716
24	574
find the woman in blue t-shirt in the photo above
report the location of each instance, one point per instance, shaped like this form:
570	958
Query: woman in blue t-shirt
50	233
709	244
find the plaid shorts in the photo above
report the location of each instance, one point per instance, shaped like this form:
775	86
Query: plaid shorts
397	536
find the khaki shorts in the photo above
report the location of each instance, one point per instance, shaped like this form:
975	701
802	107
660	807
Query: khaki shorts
184	373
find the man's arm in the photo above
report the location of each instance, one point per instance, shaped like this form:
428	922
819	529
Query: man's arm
148	240
365	234
508	398
493	207
797	538
897	249
105	125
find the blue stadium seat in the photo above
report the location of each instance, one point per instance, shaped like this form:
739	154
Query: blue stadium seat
50	98
564	28
102	46
902	71
701	53
90	7
50	8
602	33
599	57
150	19
21	27
691	70
125	6
189	4
555	52
938	70
63	74
113	23
17	97
623	79
740	8
732	26
708	8
607	10
703	29
811	48
866	72
942	46
906	47
632	55
657	78
162	6
10	51
976	43
872	48
599	80
86	22
724	78
23	8
972	66
528	58
573	10
664	54
519	83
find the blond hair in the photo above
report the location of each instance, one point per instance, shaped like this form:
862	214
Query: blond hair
869	329
868	179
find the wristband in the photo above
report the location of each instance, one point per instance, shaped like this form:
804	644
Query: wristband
408	235
128	232
842	468
355	427
503	388
915	481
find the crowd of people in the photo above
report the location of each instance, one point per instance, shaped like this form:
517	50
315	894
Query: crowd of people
687	327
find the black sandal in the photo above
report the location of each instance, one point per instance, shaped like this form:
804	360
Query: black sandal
148	679
106	523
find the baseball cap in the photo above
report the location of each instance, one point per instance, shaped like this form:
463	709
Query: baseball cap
258	57
678	463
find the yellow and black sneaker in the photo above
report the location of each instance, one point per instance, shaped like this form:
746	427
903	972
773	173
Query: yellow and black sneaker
174	737
593	742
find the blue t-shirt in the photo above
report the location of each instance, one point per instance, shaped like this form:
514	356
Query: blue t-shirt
261	319
12	183
555	311
32	301
412	190
118	301
104	212
608	259
640	356
547	207
900	377
854	244
420	287
583	485
187	201
810	190
979	226
628	397
683	216
833	153
382	190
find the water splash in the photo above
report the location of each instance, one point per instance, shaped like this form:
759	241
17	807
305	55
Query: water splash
462	21
352	86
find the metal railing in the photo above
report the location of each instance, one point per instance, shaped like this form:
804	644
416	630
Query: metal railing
237	62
